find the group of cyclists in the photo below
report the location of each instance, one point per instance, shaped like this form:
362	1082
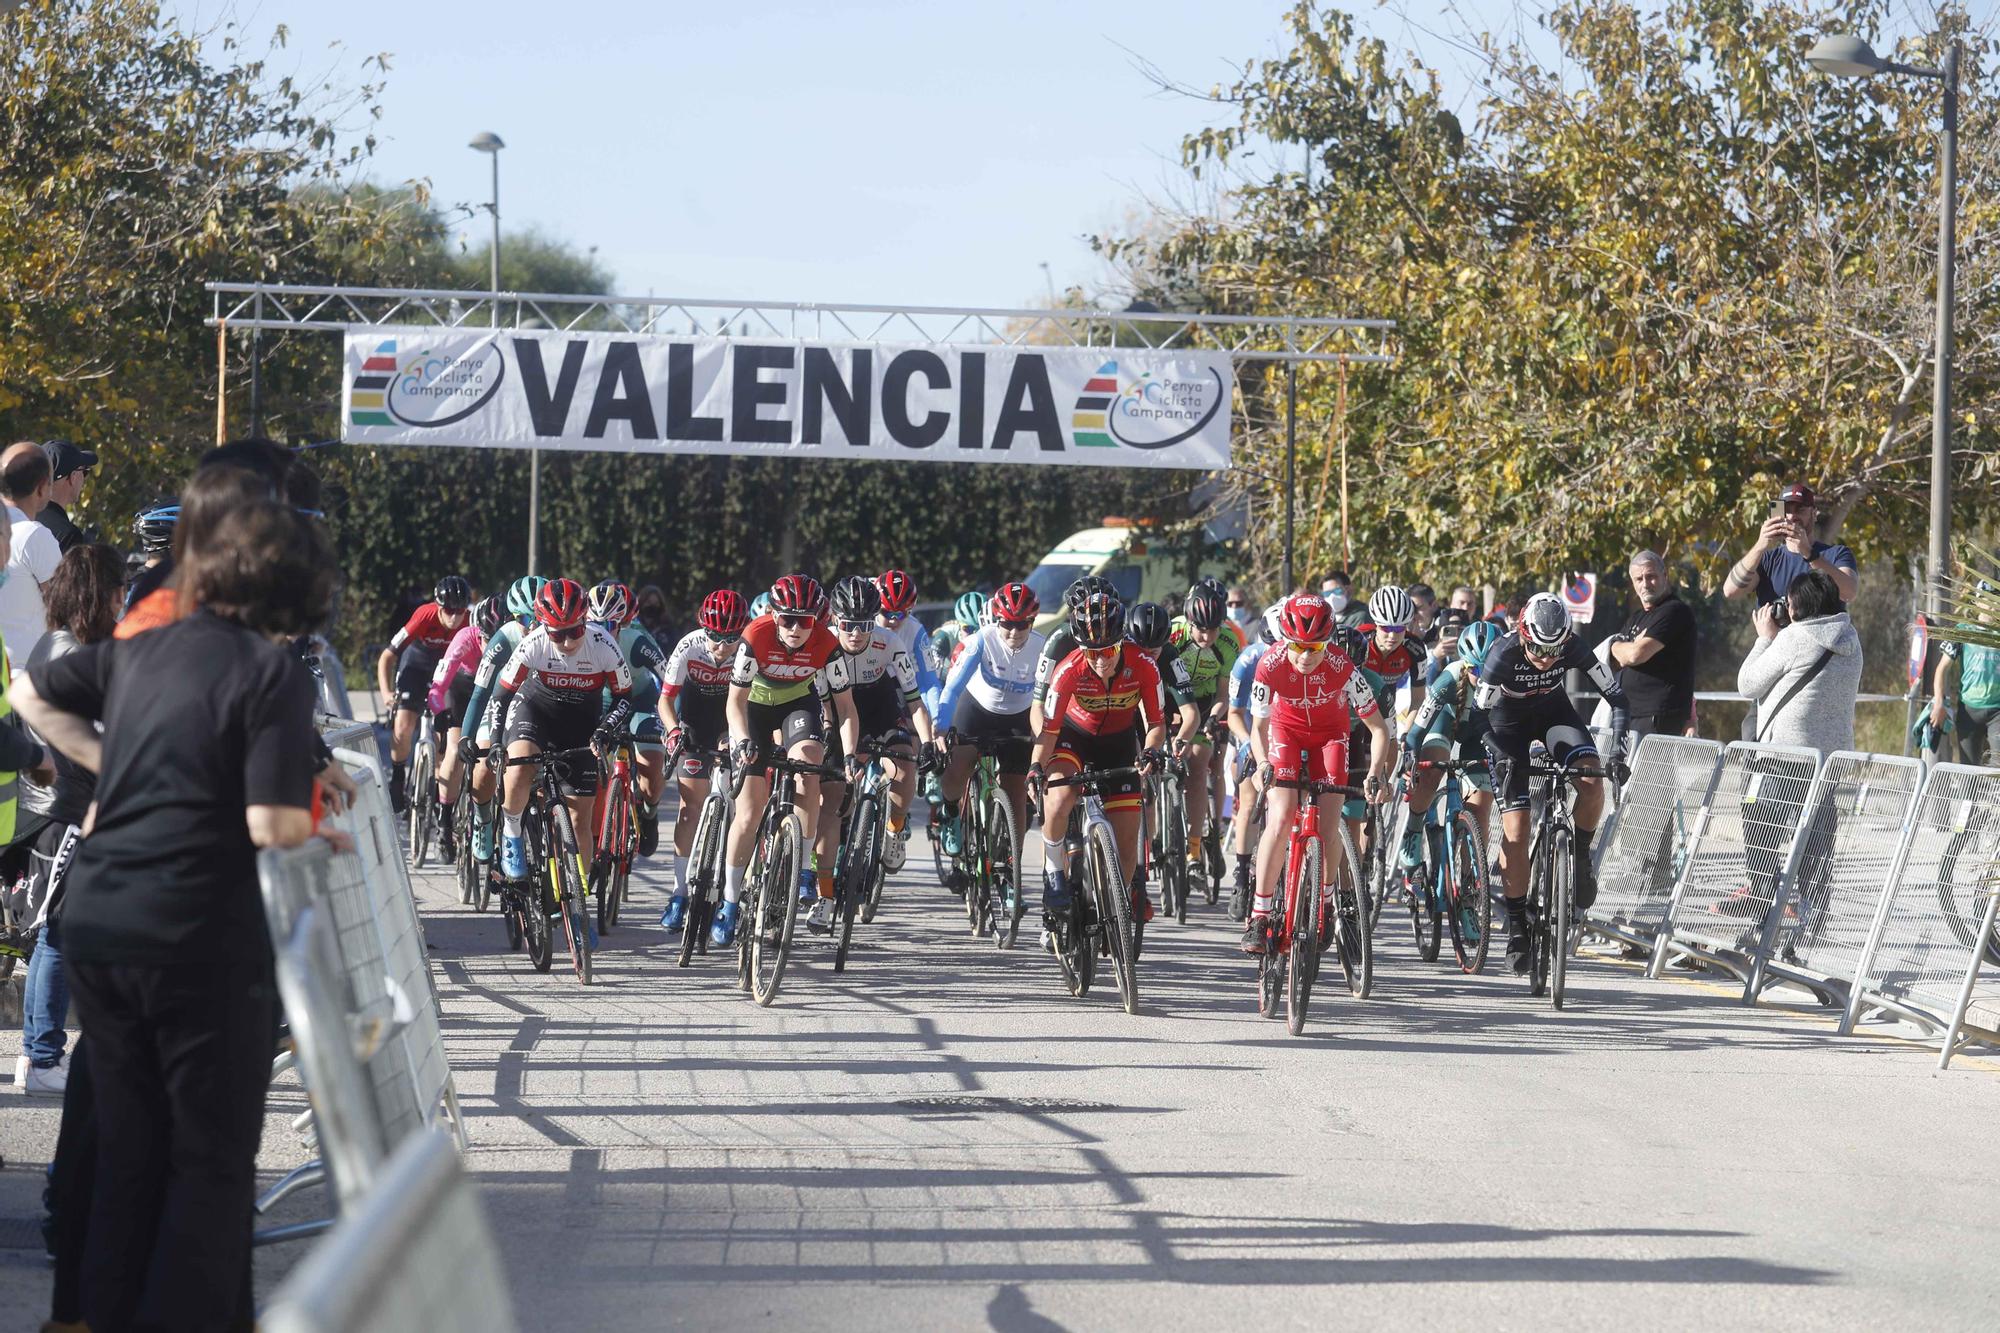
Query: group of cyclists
1261	707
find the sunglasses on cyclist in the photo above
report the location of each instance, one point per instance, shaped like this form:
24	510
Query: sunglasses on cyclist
856	626
569	635
721	639
1308	646
790	621
1099	654
1015	624
894	617
1391	629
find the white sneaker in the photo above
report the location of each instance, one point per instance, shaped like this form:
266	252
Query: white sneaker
820	919
892	849
21	1068
38	1082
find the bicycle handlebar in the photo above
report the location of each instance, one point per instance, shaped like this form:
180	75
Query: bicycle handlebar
1092	777
1447	765
560	758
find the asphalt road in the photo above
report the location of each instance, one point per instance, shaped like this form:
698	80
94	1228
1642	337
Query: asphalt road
943	1138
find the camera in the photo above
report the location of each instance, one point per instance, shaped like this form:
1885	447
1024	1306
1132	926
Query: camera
1781	612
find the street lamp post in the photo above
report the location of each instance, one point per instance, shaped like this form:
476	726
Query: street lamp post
490	143
1850	57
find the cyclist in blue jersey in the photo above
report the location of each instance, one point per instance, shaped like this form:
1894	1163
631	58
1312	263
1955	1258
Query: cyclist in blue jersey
1243	765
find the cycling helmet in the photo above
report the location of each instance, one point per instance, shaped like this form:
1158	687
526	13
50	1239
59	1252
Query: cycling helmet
899	591
453	593
1100	621
1544	622
760	604
969	610
1212	584
798	595
560	605
155	526
521	597
724	614
1084	588
1475	641
611	602
489	615
1204	607
1305	619
1350	640
856	598
1014	601
1148	625
1271	614
1391	608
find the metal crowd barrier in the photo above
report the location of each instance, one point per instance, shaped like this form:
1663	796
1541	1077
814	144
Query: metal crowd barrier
1645	846
1932	933
1728	885
416	1253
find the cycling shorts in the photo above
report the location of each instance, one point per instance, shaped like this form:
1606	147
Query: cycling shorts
1320	756
792	723
1551	719
706	724
1079	749
1204	704
1438	747
549	730
414	670
1014	742
486	736
457	698
1360	753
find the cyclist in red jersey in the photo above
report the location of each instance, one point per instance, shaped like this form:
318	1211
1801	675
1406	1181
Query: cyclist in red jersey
413	655
1304	699
1096	700
1391	653
774	708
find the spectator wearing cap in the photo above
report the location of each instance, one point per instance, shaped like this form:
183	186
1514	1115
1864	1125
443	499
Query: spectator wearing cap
69	467
1654	653
34	553
1785	549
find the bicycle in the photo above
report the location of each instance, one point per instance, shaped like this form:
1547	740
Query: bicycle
617	841
552	845
764	937
858	870
1300	928
1551	888
1099	918
1163	801
1218	829
1451	883
988	864
422	791
1970	866
704	865
474	883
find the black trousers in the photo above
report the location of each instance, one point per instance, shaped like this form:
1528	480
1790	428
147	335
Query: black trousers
180	1058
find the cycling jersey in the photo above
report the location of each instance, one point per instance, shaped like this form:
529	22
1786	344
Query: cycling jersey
425	630
566	690
461	658
1448	706
694	667
1084	701
1397	667
1243	675
776	674
909	632
883	657
1313	703
649	664
1059	645
944	643
499	649
1206	667
1510	685
992	677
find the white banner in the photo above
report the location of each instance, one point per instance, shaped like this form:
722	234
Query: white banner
628	393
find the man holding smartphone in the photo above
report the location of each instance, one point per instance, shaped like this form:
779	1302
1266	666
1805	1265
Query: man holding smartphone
1785	549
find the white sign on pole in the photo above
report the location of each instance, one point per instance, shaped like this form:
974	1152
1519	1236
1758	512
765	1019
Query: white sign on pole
632	393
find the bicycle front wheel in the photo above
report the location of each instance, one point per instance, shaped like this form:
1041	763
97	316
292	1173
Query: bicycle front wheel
1562	874
1114	905
1469	897
422	795
612	853
1352	923
1304	902
857	873
1967	872
1003	869
566	875
776	909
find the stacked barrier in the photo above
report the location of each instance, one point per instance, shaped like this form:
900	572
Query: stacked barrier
1864	878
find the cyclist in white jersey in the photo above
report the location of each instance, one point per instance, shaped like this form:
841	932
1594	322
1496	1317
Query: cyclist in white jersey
694	697
899	594
986	698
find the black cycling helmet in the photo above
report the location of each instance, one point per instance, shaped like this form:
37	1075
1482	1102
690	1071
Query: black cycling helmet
154	527
453	593
1148	625
490	614
1205	607
1100	621
856	598
1086	587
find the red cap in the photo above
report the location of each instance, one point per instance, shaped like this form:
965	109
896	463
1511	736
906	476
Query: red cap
1797	493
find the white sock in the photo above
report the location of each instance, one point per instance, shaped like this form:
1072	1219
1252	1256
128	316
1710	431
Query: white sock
1055	857
1265	902
673	870
732	884
510	823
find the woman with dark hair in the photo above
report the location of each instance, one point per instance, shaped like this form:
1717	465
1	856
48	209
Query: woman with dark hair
80	601
199	766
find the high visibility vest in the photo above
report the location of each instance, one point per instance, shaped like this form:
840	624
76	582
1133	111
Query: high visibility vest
10	782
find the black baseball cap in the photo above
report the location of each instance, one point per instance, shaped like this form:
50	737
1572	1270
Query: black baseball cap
65	458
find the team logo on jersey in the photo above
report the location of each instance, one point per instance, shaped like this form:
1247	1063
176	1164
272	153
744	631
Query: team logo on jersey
434	388
1151	412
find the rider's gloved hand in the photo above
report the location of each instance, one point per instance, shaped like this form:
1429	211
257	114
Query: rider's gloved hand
1620	771
743	751
1149	762
854	768
676	742
1037	780
468	750
1266	775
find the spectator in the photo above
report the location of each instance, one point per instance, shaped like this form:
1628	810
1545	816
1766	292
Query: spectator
1443	642
24	482
1338	589
1243	611
1654	654
1425	599
1466	598
1966	694
82	600
1785	549
168	954
652	605
69	467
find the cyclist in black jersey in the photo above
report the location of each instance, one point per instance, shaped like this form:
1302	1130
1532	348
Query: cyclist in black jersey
1521	690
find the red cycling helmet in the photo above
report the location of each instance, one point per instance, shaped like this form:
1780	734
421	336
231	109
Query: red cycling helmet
798	595
561	604
1306	619
899	591
1013	601
724	613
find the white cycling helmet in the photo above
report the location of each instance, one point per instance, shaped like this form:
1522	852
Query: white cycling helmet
1391	608
1544	622
1271	614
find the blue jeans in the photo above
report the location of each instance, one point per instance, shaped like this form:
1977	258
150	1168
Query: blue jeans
45	1006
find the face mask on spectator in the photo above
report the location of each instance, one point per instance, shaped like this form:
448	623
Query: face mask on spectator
1335	598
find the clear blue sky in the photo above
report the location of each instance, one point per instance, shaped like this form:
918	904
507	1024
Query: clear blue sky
868	150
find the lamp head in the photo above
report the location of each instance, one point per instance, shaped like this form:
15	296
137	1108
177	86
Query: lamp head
1845	55
486	141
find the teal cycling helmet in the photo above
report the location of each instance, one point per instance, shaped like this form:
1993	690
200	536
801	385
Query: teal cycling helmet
1475	641
760	604
969	610
521	596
